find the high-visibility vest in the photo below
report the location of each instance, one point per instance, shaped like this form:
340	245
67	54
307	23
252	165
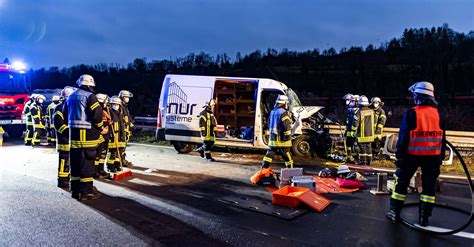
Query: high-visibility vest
427	138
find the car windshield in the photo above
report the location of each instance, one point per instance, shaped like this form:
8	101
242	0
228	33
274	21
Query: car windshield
12	82
293	98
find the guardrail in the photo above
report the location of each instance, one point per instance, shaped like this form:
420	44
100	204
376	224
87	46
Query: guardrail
461	139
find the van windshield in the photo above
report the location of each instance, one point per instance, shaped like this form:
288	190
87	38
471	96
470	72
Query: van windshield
293	98
11	82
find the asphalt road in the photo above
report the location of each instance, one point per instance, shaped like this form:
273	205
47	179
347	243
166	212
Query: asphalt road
174	200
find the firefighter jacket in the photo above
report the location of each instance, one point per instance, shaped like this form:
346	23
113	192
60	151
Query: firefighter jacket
27	112
350	114
84	118
422	133
107	123
62	130
207	125
127	118
37	116
380	119
117	133
280	128
49	114
363	125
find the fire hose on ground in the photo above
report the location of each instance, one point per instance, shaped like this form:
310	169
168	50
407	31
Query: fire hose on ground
445	206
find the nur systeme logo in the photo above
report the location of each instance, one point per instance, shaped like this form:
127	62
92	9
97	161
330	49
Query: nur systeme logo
178	105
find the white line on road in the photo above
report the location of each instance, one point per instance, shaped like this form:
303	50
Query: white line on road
143	182
150	173
439	229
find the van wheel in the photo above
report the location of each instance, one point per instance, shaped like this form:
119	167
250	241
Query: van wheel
302	146
183	147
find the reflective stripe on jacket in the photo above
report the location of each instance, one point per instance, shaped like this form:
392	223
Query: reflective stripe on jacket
77	103
427	137
279	126
364	124
380	119
207	125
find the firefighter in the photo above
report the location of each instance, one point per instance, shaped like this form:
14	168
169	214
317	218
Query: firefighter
84	118
62	139
421	143
105	132
29	120
208	127
349	134
280	125
363	125
37	116
380	119
117	136
49	119
125	96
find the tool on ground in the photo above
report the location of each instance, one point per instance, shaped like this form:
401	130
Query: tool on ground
380	189
432	230
304	182
293	196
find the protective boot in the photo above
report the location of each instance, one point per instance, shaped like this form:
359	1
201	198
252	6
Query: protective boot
209	158
201	151
111	168
425	210
102	172
395	209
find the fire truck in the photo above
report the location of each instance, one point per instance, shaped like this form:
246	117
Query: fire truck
14	89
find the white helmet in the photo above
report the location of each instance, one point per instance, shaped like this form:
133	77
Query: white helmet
363	100
33	96
422	87
102	98
40	98
348	97
115	100
343	169
355	97
67	91
375	99
282	99
86	80
125	93
56	98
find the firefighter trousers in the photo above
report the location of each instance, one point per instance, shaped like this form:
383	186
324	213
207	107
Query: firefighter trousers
365	155
29	134
82	170
101	156
51	135
349	145
429	174
270	155
206	148
113	160
63	169
38	134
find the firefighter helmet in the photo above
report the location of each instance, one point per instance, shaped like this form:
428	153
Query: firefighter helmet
86	80
56	98
40	98
125	93
422	87
32	96
343	169
348	97
67	91
115	100
375	99
102	98
363	100
282	99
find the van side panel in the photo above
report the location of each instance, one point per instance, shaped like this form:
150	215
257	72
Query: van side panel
183	98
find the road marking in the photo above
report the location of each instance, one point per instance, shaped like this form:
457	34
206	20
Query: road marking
150	173
439	229
143	182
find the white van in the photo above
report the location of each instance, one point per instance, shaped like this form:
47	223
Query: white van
242	109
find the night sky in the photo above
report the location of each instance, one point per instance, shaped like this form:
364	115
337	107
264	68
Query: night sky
68	32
